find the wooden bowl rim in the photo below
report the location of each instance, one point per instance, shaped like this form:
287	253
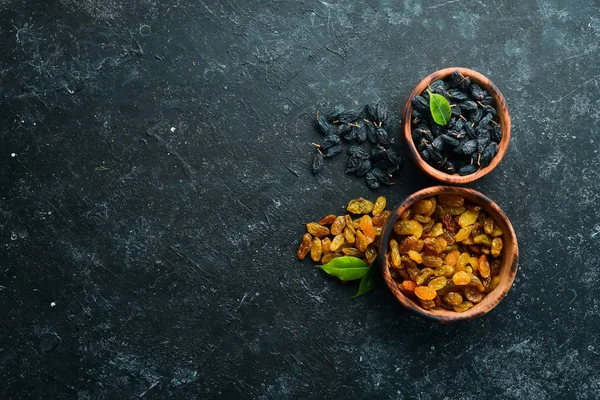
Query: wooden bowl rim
510	261
503	115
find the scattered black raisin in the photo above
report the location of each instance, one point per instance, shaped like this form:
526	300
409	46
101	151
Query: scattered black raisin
330	141
393	157
421	104
350	116
372	181
322	124
364	168
358	151
317	162
468	147
381	176
455	79
371	132
438	143
483	139
425	155
383	138
333	151
464	84
449	167
334	115
361	134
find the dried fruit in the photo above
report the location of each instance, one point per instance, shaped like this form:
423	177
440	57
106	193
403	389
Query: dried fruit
366	225
360	206
437	283
379	205
338	225
317	230
464	306
461	278
408	286
305	245
425	293
349	234
351	251
316	249
337	241
410	227
327	220
330	256
484	266
453	298
496	247
469	217
416	257
326	245
361	241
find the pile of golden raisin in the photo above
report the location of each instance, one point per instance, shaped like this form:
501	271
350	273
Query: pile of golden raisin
447	253
335	236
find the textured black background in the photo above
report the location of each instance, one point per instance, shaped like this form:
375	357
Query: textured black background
160	182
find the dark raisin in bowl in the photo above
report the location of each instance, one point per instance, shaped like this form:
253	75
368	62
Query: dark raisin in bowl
475	139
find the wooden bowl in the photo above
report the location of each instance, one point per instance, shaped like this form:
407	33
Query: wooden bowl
508	269
503	116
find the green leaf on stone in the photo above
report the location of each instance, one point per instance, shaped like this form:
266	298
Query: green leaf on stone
346	268
369	280
440	108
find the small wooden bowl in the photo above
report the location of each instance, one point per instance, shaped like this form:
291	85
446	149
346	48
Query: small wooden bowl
508	270
503	116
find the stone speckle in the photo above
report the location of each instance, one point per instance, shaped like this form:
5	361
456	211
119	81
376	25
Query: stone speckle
156	182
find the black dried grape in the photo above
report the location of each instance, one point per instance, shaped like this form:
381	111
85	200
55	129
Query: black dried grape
488	100
451	141
317	162
469	130
438	143
483	122
330	141
436	85
334	115
333	151
496	133
382	112
490	151
491	110
449	167
322	124
483	139
476	92
371	132
467	169
353	164
378	153
468	105
455	79
361	134
383	138
476	116
343	130
350	134
364	167
372	181
393	157
456	111
421	104
371	111
434	154
358	151
350	116
464	84
468	147
381	176
458	125
457	95
425	155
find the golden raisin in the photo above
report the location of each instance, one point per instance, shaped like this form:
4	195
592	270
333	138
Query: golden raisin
452	200
337	241
327	220
427	304
351	251
463	233
316	249
454	211
349	235
370	254
304	247
496	246
406	214
473	295
437	230
476	283
433	246
444	270
416	257
497	232
424	276
395	254
408	286
484	266
462	261
360	206
338	225
461	278
328	257
464	306
366	226
453	298
350	223
361	241
432	261
452	258
437	283
425	293
488	225
424	207
483	239
379	205
381	218
317	230
410	243
493	284
422	219
410	227
469	217
326	245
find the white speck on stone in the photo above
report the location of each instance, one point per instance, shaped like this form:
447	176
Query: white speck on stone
360	358
432	348
172	129
53	304
13	155
35	123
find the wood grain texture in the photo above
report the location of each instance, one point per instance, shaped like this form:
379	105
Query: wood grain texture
503	115
508	270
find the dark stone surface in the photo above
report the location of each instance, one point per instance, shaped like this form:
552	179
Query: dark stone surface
160	181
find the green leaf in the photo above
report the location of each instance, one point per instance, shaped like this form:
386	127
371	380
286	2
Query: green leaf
369	280
440	108
346	268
